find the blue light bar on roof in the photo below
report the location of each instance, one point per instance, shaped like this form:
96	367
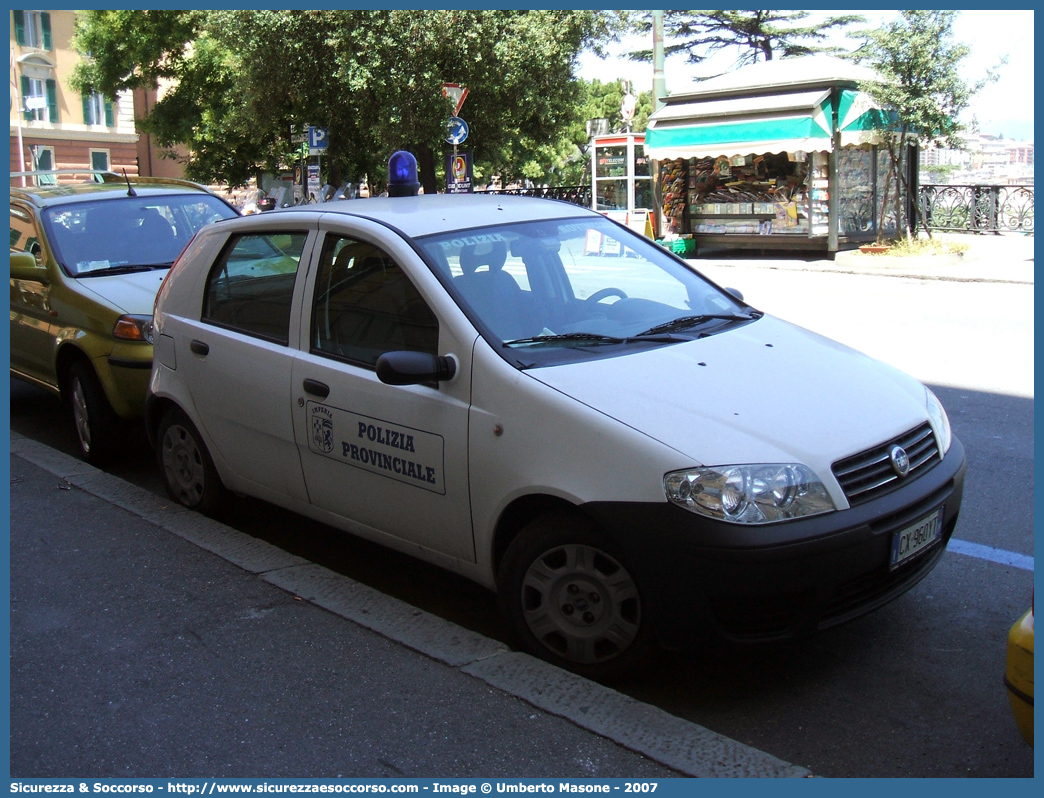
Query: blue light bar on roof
402	174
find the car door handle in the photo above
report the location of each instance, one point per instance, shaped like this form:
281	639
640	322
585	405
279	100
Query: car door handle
200	348
316	388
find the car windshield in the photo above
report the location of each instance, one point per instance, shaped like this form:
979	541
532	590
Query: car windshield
566	289
115	236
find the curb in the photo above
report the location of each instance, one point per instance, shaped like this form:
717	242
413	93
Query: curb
686	747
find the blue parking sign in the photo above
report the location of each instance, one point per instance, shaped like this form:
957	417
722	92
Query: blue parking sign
318	138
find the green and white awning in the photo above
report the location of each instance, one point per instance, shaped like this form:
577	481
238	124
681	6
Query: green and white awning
740	126
861	120
785	122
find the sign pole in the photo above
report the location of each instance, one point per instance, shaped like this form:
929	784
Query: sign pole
457	94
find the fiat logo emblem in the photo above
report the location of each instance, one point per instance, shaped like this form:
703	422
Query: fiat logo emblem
900	460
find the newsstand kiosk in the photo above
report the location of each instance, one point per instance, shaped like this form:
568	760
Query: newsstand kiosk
782	154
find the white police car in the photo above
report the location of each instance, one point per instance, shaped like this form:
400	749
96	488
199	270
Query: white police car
530	394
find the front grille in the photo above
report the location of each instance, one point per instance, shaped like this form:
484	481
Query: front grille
786	615
853	596
761	618
869	474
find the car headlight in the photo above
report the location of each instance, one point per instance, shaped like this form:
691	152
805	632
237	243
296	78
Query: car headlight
133	328
940	421
749	494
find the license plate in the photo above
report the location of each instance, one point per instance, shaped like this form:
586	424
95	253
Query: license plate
914	539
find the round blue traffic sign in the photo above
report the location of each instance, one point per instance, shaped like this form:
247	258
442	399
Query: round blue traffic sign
456	130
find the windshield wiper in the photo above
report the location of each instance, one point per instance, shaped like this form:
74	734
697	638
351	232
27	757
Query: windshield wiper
123	269
595	338
576	336
692	321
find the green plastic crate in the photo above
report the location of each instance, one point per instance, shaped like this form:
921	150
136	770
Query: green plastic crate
683	246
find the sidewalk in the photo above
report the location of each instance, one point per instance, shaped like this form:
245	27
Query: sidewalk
1005	258
138	653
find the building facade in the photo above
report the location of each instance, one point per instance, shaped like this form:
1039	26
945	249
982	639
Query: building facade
985	160
53	126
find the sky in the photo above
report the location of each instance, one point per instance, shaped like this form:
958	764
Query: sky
1002	108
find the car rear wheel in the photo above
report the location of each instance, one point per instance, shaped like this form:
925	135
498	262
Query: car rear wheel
571	599
187	469
93	419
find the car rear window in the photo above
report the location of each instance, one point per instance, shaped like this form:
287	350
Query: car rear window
94	236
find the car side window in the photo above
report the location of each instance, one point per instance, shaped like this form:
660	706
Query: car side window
251	286
365	305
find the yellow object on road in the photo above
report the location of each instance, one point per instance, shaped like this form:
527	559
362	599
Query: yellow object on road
1018	677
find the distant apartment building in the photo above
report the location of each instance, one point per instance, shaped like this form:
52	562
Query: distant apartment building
942	156
1021	153
53	126
985	159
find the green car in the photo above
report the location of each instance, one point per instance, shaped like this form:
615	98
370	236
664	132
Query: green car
86	262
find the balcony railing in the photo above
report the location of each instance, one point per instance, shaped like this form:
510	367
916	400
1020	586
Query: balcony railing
978	209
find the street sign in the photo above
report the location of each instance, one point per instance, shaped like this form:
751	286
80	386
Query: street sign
313	180
318	138
297	137
458	173
456	130
456	93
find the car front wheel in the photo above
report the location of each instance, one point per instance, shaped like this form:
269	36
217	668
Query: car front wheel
571	599
187	469
93	419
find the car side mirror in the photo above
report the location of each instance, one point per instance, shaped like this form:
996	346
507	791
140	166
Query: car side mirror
735	292
25	267
414	368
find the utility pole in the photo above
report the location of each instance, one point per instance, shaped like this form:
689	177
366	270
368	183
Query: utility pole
659	93
659	85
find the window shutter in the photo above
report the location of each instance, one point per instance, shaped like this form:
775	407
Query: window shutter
45	24
19	21
25	93
110	116
52	100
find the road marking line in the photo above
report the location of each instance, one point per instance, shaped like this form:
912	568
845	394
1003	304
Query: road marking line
991	554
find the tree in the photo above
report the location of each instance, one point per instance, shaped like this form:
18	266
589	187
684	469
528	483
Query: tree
604	100
917	61
240	79
601	101
758	35
938	173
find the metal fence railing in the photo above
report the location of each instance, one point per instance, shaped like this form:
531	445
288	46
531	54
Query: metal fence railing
977	209
578	195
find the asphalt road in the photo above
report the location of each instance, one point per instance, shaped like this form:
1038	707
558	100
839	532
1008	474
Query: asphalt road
911	690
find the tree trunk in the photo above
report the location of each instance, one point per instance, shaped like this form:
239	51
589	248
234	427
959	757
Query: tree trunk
884	207
900	228
426	168
919	218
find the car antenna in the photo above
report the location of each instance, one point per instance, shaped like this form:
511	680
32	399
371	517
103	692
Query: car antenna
130	189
